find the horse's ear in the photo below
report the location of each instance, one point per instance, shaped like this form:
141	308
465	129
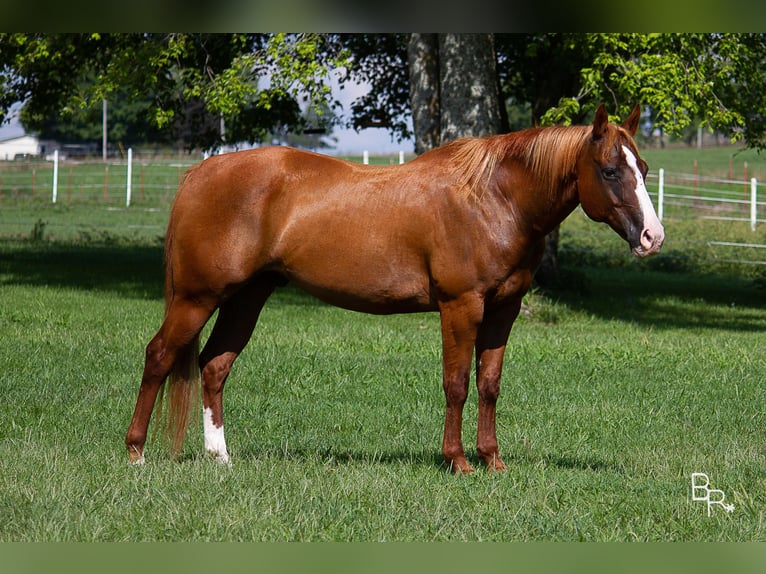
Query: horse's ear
631	122
599	124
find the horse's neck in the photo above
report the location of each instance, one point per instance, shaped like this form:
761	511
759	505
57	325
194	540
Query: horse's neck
542	165
558	208
541	209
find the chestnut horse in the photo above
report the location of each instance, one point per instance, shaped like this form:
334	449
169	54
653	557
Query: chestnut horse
459	230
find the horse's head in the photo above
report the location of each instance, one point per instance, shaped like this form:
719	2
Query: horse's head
611	186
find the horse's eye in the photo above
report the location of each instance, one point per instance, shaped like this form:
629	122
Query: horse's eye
609	173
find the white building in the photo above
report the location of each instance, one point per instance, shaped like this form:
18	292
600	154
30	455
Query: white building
19	146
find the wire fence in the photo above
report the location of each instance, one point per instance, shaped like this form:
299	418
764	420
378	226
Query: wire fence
682	195
126	182
151	184
676	195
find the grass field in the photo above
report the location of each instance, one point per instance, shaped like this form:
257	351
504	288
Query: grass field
726	162
619	384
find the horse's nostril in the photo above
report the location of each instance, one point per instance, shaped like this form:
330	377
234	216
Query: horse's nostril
652	239
647	237
649	240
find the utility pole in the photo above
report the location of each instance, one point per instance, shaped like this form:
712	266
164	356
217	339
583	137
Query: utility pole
223	132
103	130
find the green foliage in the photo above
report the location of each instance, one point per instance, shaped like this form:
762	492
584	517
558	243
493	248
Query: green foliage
715	80
380	61
541	69
258	82
185	82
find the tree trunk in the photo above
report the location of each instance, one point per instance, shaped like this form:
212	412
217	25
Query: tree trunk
454	90
470	102
454	93
423	60
547	273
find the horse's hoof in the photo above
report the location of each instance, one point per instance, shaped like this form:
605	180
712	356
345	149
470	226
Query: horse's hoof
220	458
497	466
461	468
136	456
137	461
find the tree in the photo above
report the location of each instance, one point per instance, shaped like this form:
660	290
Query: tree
540	69
192	80
714	79
129	122
380	61
453	88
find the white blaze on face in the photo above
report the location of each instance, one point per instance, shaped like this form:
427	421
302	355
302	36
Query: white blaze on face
215	443
653	234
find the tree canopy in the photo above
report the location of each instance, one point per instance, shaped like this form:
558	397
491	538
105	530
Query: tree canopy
716	80
180	86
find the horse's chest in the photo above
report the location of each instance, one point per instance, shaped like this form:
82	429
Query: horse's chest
520	271
515	286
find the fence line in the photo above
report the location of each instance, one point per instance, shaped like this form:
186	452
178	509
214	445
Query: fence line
129	175
106	185
710	193
676	194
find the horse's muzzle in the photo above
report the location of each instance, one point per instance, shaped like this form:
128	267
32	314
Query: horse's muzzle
650	241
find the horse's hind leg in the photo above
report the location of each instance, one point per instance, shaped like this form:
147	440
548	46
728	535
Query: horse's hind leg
183	322
233	329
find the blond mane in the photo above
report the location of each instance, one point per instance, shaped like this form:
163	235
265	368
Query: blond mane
549	153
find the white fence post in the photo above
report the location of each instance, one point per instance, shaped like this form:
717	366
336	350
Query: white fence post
401	157
55	175
661	194
753	203
365	157
130	177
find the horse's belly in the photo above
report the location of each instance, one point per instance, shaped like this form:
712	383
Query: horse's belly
368	290
376	305
359	256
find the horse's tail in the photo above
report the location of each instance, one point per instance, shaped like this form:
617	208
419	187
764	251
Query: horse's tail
179	395
181	390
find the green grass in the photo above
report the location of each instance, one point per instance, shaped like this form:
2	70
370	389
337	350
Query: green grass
618	384
691	245
725	161
83	223
614	393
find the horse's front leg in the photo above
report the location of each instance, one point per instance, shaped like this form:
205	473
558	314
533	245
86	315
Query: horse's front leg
490	351
459	320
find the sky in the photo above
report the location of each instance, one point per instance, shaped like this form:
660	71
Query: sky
377	141
12	129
